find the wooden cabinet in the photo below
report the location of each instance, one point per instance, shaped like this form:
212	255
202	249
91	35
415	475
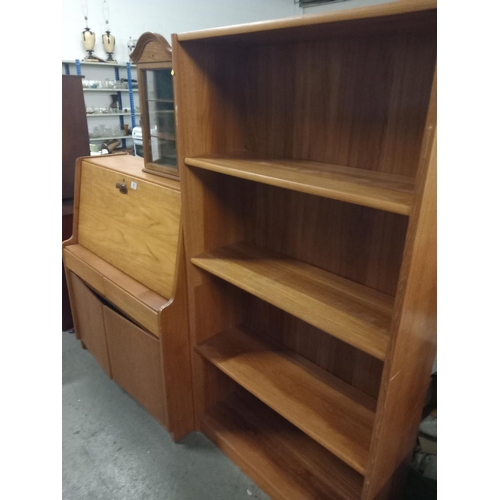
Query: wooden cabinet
126	273
75	136
153	56
308	173
75	143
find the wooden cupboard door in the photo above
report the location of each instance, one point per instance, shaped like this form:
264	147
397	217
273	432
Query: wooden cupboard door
136	362
88	310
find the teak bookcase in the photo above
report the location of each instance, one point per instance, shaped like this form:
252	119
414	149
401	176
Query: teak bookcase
307	156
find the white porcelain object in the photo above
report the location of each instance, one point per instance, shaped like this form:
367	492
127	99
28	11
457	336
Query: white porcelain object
108	40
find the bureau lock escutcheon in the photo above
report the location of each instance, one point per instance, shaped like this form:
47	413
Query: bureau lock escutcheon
122	186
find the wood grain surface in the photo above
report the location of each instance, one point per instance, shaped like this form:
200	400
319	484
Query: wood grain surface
175	347
351	89
311	101
133	166
275	454
347	363
136	232
355	314
90	321
327	409
406	376
135	361
131	297
362	187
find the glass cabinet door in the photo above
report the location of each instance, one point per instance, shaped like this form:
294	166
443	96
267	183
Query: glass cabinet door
159	94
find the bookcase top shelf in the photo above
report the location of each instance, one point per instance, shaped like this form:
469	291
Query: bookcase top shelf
391	16
330	411
353	313
392	193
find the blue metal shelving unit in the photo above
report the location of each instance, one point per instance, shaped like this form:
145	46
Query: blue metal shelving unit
78	69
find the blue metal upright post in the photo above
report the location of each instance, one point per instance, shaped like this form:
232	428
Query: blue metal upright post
120	103
131	94
78	67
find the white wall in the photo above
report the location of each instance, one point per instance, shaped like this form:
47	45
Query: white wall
349	4
131	18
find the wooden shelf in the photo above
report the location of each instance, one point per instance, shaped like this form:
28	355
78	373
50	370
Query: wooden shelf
278	456
109	114
109	90
349	311
151	99
103	65
165	136
92	139
393	193
328	410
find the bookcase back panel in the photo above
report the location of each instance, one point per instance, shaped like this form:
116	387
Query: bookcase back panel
360	102
342	360
358	243
214	99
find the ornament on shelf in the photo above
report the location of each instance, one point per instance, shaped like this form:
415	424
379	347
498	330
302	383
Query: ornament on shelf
115	104
88	37
108	40
89	43
131	44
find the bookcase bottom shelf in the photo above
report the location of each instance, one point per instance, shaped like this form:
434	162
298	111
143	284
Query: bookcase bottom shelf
280	458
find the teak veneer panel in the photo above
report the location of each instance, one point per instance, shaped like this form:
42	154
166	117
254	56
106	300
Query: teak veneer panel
136	361
406	376
349	311
134	299
278	456
136	232
132	165
333	413
89	311
389	192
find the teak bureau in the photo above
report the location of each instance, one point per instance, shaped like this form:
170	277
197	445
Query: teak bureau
126	275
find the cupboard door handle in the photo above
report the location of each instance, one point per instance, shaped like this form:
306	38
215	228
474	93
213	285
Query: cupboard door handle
122	187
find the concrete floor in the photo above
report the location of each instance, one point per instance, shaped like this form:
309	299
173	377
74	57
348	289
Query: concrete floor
114	450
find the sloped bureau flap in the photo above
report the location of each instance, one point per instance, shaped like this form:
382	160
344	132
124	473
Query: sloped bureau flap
137	231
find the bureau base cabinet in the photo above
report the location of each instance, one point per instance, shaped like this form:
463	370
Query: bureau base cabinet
127	353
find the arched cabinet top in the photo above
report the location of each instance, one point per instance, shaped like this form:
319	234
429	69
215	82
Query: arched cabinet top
151	48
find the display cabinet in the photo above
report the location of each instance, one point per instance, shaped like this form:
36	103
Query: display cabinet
153	57
307	154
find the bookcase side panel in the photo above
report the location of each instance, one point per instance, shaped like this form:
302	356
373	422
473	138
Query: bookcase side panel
407	372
